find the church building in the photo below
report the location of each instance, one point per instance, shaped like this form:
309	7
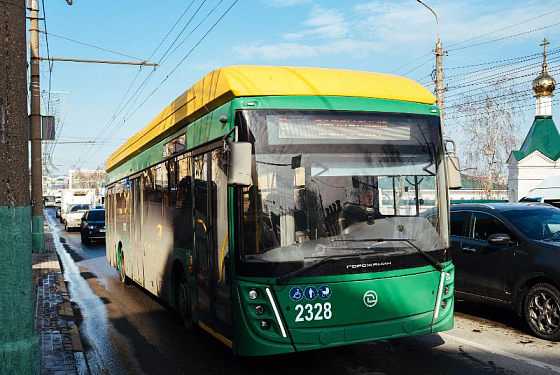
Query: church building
539	156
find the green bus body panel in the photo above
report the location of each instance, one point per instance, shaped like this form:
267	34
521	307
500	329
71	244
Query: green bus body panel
405	307
203	130
209	127
338	103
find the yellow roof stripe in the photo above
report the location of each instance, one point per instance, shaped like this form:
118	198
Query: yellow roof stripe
222	85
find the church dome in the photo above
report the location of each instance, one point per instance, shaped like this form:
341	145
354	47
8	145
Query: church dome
544	84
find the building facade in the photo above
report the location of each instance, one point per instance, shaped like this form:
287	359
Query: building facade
539	155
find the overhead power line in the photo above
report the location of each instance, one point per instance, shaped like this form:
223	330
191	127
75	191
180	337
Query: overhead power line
496	67
419	66
481	36
129	113
516	107
506	37
138	91
505	28
180	62
484	75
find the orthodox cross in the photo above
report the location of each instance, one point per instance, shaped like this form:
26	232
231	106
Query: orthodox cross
543	45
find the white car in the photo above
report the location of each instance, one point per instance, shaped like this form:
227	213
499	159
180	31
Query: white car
74	216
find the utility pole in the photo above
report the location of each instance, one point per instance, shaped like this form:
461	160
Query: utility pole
439	68
19	345
38	233
439	77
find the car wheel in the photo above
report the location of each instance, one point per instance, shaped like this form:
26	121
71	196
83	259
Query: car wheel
87	239
122	270
542	311
183	304
82	237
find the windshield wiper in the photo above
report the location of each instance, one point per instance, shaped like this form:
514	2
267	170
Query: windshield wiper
433	261
299	271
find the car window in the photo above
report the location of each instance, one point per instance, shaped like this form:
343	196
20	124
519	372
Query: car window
538	223
458	222
483	225
97	215
79	207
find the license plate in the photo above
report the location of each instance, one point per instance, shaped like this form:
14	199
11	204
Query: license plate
102	230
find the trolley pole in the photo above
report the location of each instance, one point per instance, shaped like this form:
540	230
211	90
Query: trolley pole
38	233
439	68
19	345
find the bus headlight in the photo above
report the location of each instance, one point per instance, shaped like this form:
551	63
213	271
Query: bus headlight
446	290
253	294
444	304
259	310
265	325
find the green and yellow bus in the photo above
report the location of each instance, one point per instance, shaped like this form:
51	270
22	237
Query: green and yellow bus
285	209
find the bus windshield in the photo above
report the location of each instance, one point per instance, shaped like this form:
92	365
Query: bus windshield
329	183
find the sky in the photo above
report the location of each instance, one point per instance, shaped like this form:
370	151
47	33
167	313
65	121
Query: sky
99	106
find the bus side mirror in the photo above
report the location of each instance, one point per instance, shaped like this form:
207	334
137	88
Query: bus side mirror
453	172
452	165
239	166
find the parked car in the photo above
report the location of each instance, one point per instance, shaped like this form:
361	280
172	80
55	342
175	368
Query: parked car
93	226
74	216
509	253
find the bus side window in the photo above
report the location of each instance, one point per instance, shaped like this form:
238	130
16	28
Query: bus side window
182	208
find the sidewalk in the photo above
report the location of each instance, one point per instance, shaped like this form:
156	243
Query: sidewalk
61	348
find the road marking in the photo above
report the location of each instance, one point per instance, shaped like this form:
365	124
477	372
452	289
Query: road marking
502	353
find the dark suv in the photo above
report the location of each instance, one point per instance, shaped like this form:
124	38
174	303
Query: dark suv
509	253
93	226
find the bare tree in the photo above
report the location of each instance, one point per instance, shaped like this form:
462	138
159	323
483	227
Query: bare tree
488	121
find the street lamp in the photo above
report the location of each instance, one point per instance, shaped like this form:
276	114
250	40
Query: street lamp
439	67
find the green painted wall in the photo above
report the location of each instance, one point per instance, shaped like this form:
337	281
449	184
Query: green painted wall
38	234
19	345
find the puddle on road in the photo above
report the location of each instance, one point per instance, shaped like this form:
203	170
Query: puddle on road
102	340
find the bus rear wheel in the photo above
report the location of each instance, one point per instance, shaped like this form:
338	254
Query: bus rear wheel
122	270
183	303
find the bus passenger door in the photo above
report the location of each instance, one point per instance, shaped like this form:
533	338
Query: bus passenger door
220	248
200	166
212	250
135	230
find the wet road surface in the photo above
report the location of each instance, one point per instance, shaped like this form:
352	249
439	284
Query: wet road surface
127	331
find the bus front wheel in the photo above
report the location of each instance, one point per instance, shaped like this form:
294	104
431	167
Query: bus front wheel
183	303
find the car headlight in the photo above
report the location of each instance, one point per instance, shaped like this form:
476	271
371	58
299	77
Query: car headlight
91	226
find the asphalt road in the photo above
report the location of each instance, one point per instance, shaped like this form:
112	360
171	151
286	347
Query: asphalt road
126	331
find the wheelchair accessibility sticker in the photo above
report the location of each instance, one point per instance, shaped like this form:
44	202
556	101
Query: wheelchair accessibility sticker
296	293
